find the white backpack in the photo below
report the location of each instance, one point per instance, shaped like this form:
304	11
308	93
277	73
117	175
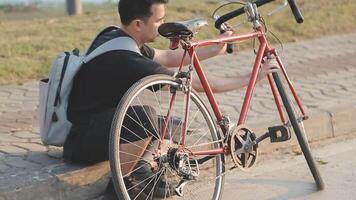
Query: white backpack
54	92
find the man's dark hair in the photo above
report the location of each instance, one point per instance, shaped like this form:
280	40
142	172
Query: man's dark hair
136	9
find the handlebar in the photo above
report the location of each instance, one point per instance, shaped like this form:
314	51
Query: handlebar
296	12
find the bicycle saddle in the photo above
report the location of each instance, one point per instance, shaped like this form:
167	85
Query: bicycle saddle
181	28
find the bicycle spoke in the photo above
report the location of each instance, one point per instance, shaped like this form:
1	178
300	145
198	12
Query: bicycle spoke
153	135
152	124
140	123
142	181
133	170
205	144
132	143
130	154
129	162
145	129
154	186
192	120
159	103
171	122
200	138
175	131
155	182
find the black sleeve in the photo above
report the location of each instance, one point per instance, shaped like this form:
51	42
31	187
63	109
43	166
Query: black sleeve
152	67
148	52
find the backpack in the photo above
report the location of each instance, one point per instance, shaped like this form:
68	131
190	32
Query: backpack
55	90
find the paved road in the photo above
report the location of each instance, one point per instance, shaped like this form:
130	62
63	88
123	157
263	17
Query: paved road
323	71
284	175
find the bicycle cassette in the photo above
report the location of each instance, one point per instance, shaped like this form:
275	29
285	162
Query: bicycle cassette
243	148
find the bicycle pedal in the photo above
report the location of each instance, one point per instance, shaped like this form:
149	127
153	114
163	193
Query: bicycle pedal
279	133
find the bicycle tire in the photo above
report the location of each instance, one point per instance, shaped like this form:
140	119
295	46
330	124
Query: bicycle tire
301	135
120	184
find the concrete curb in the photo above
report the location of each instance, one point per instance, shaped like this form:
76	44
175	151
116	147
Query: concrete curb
332	122
62	181
66	181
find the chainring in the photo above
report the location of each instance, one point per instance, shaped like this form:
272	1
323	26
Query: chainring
243	151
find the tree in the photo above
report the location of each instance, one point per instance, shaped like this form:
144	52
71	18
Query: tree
74	7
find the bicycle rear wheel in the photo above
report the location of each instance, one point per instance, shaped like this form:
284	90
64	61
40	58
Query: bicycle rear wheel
299	132
136	132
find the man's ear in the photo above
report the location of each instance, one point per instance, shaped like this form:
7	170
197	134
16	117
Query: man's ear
137	24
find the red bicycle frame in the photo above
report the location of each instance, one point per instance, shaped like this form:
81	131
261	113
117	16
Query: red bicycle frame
263	51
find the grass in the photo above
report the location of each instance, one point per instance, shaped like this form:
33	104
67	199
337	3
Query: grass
30	37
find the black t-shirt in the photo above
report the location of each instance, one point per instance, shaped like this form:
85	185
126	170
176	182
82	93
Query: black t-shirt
100	84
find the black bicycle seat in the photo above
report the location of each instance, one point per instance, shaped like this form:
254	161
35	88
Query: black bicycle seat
181	28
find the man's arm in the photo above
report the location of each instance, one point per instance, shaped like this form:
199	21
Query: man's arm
224	84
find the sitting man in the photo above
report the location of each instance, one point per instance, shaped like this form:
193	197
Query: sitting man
101	83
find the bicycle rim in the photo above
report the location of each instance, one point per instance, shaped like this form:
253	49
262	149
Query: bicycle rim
145	105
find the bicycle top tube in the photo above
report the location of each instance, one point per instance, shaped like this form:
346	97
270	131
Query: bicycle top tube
228	39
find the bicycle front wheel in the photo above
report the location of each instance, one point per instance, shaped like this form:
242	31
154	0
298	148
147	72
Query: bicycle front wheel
299	131
141	170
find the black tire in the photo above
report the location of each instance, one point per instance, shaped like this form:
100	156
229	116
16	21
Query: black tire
300	133
152	85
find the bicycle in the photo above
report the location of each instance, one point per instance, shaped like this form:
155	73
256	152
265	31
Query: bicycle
188	148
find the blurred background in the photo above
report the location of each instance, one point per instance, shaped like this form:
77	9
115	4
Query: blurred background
48	2
33	32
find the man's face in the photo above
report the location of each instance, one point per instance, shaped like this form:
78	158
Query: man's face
150	30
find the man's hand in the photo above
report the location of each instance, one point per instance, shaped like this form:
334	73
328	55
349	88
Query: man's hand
223	46
227	32
267	67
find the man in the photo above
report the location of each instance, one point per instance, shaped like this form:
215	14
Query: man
101	83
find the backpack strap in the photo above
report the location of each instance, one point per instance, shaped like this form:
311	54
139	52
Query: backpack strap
120	43
106	29
58	92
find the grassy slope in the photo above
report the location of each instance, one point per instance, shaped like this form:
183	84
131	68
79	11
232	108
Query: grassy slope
30	38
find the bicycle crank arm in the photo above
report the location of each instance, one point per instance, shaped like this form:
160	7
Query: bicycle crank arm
261	138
